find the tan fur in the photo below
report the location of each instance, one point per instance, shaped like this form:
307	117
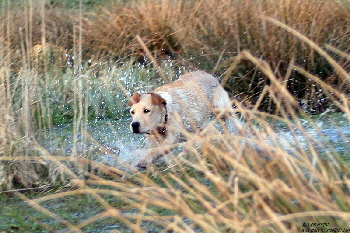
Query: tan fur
191	98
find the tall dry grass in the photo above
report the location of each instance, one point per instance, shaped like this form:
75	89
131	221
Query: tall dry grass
204	34
260	180
198	35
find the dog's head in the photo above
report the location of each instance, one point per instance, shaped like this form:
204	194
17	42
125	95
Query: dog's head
147	111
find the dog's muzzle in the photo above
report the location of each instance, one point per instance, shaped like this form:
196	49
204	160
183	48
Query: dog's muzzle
135	126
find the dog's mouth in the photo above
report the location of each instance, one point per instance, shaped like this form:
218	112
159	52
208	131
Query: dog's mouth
137	131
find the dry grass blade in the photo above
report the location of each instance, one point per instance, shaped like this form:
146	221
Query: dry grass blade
149	55
337	51
277	173
338	69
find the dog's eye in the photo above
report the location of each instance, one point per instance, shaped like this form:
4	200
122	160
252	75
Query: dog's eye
132	112
146	111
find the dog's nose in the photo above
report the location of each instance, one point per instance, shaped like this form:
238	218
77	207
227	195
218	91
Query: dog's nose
135	127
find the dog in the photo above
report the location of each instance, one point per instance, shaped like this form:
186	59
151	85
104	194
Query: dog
193	98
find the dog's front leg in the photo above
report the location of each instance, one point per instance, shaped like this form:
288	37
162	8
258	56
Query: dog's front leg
159	146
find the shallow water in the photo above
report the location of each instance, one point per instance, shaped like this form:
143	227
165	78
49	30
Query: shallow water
108	142
328	139
113	143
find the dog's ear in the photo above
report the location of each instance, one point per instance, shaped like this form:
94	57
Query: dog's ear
157	99
134	99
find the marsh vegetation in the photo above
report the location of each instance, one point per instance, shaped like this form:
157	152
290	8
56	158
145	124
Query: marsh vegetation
67	69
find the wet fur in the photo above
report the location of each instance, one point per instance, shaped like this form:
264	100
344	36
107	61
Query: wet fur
191	98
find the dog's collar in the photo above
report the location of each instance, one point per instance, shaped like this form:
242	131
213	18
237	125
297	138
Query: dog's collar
162	129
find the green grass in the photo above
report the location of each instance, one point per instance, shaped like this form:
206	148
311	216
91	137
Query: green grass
17	216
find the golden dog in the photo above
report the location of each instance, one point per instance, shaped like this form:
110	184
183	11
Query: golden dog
192	98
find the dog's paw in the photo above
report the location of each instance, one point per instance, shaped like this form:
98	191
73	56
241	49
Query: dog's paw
142	165
146	162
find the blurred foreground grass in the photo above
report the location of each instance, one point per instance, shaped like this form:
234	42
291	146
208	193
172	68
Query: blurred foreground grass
284	171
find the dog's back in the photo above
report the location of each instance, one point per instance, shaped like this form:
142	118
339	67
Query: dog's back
193	97
197	81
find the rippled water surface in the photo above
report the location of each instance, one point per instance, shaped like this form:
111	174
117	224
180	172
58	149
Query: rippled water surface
106	141
111	142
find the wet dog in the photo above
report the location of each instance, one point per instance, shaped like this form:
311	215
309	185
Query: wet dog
185	104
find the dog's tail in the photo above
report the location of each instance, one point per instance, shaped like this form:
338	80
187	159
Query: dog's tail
223	106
